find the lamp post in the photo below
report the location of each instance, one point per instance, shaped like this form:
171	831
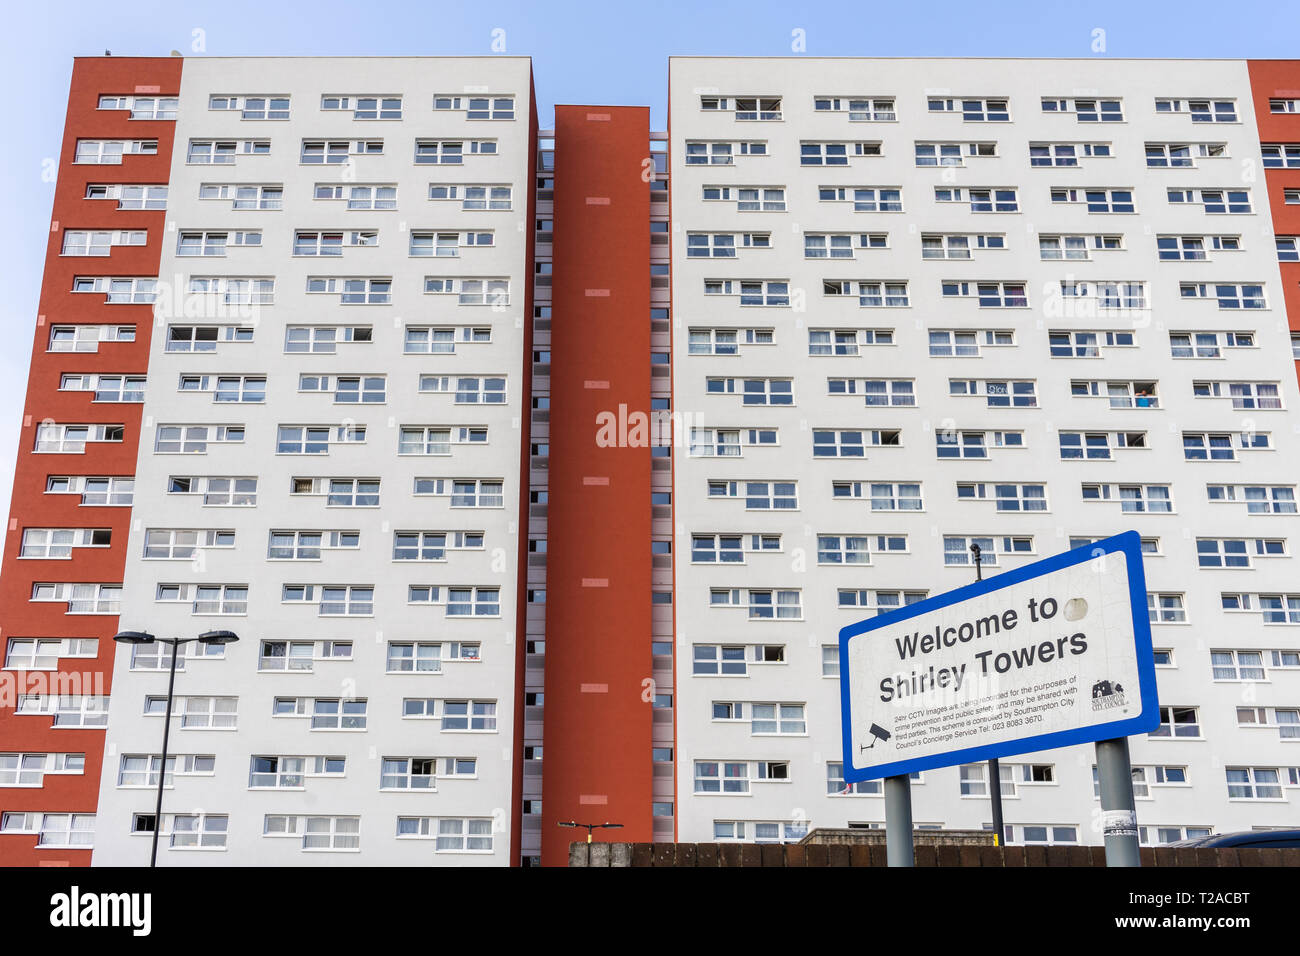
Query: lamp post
995	768
175	643
590	826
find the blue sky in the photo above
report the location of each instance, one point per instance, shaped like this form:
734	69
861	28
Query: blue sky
583	52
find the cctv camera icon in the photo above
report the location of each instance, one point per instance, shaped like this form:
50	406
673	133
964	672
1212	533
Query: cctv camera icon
878	733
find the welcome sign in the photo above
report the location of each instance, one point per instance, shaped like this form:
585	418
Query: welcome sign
1052	654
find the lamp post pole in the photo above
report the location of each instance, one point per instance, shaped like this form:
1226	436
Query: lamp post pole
995	769
175	643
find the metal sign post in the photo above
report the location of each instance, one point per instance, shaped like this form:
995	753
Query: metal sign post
1118	814
899	849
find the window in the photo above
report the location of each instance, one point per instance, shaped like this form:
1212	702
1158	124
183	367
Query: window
834	549
1097	200
86	338
860	109
1214	201
956	549
1202	111
109	152
253	107
1134	499
224	152
997	394
1254	783
846	341
226	388
119	290
761	604
493	292
432	152
59	542
1008	497
81	242
338	714
1236	552
721	777
320	833
478	107
951	154
834	154
1065	154
1098	445
456	715
764	292
850	442
1087	110
329	152
1182	155
993	200
1178	722
1244	395
841	245
473	197
1237	665
454	835
1281	155
1166	608
203	338
194	439
863	198
175	544
468	389
464	493
365	107
420	340
316	439
870	294
758	495
1104	295
436	440
757	108
32	654
446	244
323	339
1260	499
1081	344
884	496
81	598
991	295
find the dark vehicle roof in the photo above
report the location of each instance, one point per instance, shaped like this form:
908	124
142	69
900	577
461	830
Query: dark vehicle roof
1246	838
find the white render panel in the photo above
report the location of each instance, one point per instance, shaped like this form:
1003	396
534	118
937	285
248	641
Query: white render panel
1068	800
490	793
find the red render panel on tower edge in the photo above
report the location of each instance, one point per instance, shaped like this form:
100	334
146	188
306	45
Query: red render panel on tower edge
31	507
1280	79
598	708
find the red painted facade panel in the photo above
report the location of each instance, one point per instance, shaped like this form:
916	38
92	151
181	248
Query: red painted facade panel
1280	79
31	507
598	706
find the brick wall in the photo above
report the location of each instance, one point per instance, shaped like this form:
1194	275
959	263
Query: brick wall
777	854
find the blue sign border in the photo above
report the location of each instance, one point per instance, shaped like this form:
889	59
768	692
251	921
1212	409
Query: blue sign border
1129	544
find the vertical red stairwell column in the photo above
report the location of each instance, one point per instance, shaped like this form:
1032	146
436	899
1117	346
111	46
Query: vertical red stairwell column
598	699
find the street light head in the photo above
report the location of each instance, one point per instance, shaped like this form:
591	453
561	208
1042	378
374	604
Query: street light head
612	826
218	637
134	637
565	823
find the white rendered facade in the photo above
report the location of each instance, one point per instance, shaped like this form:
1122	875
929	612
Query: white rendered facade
786	778
292	817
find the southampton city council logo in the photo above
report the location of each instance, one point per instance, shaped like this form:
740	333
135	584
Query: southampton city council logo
1106	695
